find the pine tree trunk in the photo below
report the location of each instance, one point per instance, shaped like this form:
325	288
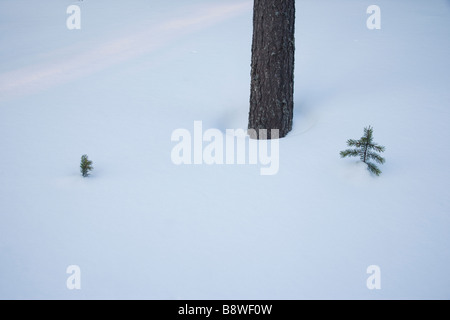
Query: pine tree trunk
365	154
272	75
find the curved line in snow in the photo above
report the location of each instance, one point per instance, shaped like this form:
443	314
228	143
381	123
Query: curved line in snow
35	78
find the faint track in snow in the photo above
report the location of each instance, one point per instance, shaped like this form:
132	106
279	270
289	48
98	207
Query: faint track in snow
57	70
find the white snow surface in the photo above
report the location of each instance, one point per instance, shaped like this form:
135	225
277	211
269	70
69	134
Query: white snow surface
141	227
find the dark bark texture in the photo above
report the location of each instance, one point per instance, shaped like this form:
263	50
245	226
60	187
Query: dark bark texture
272	75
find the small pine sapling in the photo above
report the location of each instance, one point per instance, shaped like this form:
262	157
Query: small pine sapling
85	165
366	149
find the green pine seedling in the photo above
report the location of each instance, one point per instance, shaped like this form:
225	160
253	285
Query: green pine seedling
366	149
85	165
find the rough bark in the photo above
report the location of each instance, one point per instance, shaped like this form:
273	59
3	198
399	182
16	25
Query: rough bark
272	75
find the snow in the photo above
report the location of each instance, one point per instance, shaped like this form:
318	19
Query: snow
141	227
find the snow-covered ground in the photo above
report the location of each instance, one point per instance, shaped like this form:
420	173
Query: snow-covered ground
142	227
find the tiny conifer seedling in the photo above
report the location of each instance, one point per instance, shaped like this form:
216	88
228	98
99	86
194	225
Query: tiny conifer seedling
366	149
85	165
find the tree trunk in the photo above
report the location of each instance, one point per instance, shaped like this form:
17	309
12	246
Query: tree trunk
272	75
